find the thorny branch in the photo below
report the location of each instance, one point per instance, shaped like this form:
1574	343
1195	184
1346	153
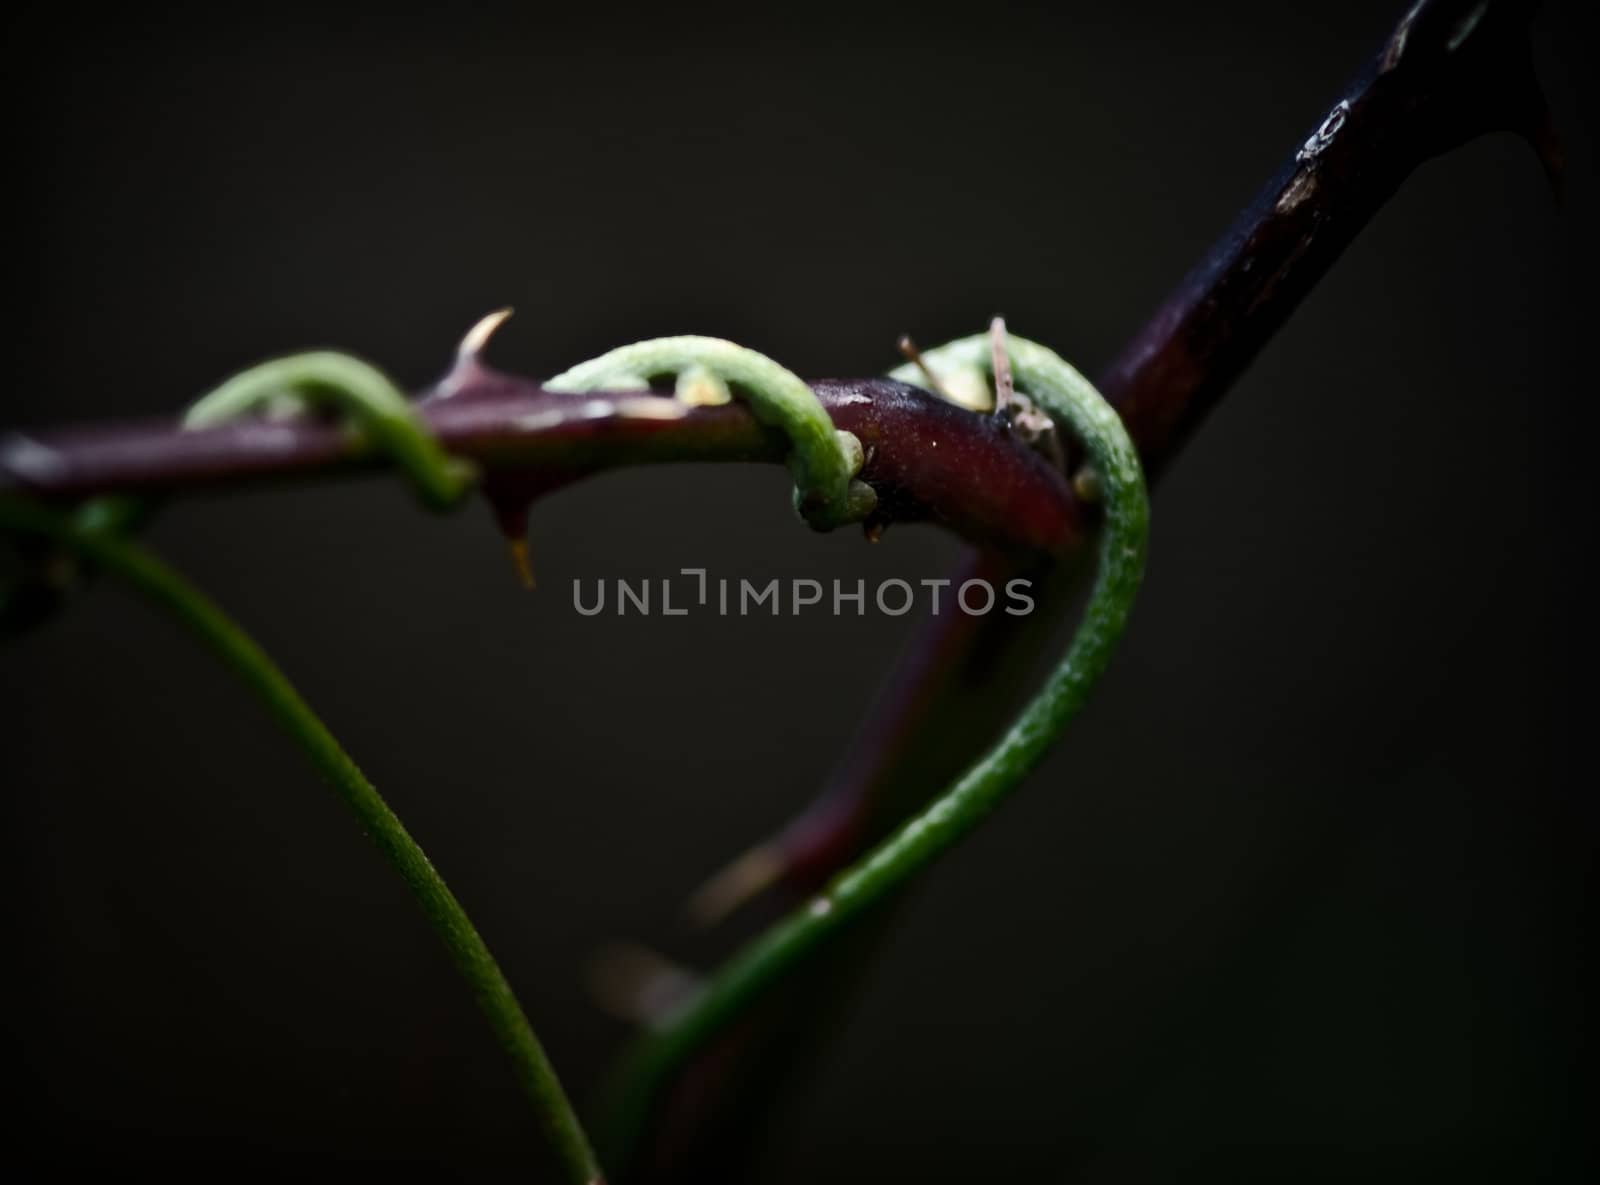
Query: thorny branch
1449	71
927	459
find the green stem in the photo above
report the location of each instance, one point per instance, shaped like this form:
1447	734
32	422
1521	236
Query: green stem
194	610
822	459
1073	402
380	412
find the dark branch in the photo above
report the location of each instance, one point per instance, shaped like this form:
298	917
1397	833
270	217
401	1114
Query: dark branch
1416	98
929	460
1450	71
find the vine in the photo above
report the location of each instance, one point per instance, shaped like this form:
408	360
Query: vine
1075	406
169	591
1450	71
824	462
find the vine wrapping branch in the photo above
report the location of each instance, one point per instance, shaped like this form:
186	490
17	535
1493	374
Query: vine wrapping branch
917	843
1447	72
979	482
1451	70
824	461
382	416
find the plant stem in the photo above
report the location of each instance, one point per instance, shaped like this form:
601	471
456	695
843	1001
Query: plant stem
979	482
958	811
1448	72
168	590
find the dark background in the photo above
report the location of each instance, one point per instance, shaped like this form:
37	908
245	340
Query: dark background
1301	897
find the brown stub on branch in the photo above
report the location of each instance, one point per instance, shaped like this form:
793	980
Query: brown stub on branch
908	351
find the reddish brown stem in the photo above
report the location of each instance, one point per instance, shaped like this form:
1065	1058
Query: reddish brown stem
1417	97
1450	70
928	459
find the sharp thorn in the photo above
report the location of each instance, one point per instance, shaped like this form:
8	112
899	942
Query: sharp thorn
478	336
522	561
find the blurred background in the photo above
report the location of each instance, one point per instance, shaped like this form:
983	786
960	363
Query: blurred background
1303	895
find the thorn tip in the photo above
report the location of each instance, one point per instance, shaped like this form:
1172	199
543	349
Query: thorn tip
522	561
478	336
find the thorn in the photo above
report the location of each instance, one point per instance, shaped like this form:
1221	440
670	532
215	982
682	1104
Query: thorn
522	561
909	351
633	982
478	336
466	367
1000	361
749	875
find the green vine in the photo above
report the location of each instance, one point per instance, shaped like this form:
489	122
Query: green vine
382	416
166	589
1073	402
378	411
824	462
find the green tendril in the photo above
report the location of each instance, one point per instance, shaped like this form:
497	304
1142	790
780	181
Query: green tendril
379	412
822	459
1077	407
166	589
824	463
